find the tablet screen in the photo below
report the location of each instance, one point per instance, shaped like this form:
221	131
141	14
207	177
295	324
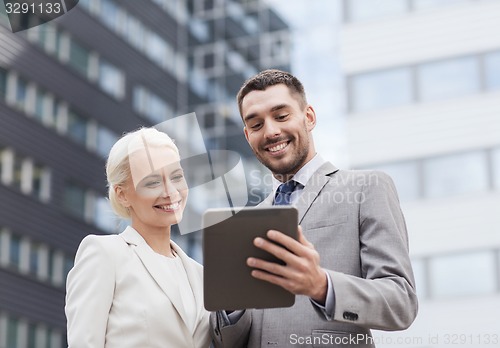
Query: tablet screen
228	242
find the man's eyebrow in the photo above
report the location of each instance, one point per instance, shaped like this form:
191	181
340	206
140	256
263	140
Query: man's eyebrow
279	107
249	117
274	108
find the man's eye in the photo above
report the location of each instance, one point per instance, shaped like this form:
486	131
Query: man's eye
256	126
282	117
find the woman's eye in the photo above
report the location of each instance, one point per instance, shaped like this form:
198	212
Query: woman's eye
177	178
153	183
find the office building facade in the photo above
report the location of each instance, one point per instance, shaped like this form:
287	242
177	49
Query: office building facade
68	90
423	104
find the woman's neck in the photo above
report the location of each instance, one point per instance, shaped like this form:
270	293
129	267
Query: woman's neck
157	238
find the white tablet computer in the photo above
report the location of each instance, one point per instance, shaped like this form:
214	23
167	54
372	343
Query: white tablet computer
228	242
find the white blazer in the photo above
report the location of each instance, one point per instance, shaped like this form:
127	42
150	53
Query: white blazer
119	296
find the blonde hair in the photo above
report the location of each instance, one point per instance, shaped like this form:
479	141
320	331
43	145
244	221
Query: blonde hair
118	166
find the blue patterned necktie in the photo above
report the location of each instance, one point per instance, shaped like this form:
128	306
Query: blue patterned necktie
284	192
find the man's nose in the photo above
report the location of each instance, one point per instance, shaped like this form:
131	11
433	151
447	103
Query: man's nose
271	129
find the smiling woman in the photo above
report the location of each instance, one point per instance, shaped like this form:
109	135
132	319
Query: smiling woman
139	282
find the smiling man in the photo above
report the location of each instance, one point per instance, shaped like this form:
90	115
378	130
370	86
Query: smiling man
350	265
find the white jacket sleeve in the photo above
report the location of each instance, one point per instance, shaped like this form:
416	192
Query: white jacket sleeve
89	294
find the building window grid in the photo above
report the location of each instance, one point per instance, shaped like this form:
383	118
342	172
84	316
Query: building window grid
16	332
489	160
24	174
150	105
166	61
415	81
53	113
81	59
14	255
409	6
429	287
35	259
82	203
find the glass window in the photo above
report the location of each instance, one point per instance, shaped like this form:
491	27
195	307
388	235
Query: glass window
21	93
492	70
37	180
51	264
381	89
40	105
18	173
208	61
85	4
61	43
74	199
368	9
31	336
15	251
135	33
448	79
406	178
105	141
45	36
150	105
424	4
53	339
111	79
105	218
139	99
3	83
447	274
79	58
455	174
34	259
2	149
44	107
496	167
157	49
158	109
77	128
12	332
199	29
110	14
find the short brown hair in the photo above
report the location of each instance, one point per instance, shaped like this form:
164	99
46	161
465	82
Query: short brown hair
268	78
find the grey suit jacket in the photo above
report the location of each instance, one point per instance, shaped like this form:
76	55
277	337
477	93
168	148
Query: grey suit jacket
354	220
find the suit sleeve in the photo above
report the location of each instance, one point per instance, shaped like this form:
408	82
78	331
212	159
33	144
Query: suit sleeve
384	297
89	294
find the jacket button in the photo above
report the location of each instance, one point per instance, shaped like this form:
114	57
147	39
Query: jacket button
350	316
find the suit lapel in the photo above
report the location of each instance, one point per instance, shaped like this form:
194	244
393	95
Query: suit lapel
153	266
194	279
310	192
313	187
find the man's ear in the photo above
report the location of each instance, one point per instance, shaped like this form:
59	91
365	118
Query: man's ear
245	130
310	118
